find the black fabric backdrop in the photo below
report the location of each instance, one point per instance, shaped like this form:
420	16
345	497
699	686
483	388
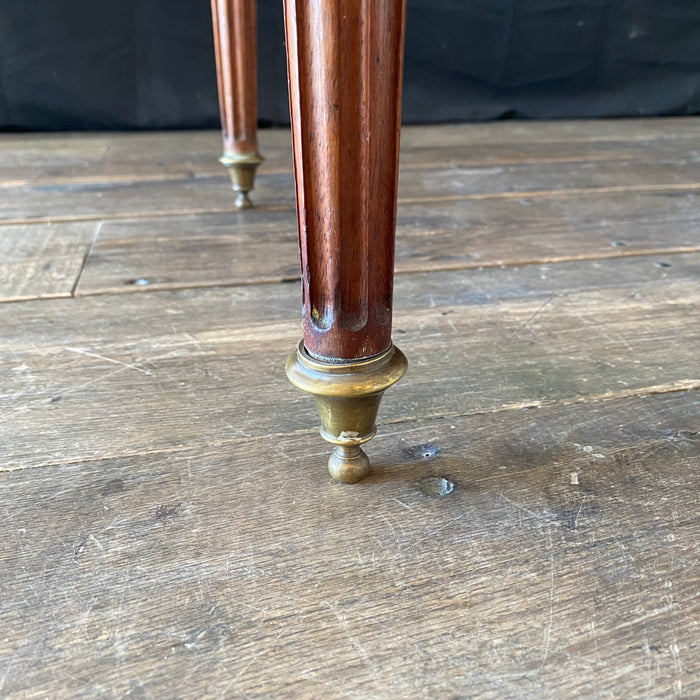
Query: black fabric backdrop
86	64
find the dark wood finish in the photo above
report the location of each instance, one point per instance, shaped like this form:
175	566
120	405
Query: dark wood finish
236	73
345	63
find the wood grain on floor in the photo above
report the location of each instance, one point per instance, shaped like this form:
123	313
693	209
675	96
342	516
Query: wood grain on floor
531	527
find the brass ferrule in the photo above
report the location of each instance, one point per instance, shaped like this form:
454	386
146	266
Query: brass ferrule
242	169
347	396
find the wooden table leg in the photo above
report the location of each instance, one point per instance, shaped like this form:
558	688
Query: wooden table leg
345	61
236	73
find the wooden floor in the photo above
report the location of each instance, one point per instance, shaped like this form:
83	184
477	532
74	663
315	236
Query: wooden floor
531	527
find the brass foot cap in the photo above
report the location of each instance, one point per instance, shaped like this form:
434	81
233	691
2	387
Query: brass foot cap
347	396
242	169
348	464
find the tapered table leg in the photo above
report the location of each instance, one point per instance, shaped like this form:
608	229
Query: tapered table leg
345	61
236	73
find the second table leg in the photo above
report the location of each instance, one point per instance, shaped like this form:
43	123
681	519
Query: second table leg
236	73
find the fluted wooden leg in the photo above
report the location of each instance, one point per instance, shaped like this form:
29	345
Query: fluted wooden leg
345	61
236	72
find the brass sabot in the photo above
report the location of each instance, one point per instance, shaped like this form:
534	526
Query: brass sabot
242	169
347	396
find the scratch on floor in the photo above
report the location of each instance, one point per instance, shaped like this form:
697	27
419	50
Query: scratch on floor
537	516
435	531
108	359
548	628
361	651
678	683
391	527
534	315
604	333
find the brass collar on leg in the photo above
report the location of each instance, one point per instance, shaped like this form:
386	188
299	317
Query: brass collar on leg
347	396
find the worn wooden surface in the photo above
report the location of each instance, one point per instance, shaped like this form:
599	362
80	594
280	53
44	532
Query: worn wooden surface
32	158
43	260
169	528
223	249
562	564
41	203
478	341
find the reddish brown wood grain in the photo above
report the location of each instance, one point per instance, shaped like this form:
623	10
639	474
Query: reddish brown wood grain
345	63
236	73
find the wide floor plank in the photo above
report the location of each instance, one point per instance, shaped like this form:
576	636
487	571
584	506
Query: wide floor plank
112	375
561	561
80	157
261	246
108	200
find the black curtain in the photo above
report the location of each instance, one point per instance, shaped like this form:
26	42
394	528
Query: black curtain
142	64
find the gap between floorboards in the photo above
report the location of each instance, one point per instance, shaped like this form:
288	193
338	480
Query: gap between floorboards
467	265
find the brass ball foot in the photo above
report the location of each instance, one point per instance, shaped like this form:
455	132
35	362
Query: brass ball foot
243	201
348	464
